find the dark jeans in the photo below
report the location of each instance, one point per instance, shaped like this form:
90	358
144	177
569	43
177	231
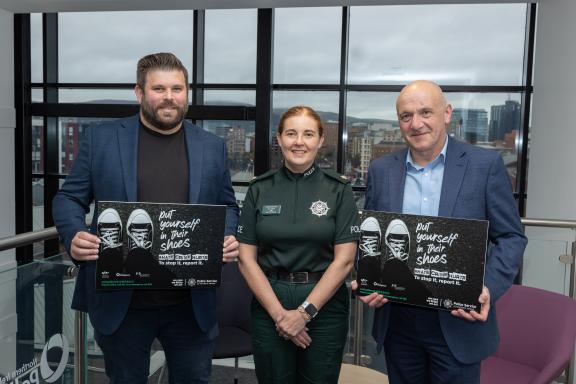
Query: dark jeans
280	361
188	350
416	351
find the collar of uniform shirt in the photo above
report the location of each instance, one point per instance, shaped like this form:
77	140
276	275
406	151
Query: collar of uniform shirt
441	157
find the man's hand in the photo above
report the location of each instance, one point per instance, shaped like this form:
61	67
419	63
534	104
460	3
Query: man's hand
484	301
84	246
230	249
373	300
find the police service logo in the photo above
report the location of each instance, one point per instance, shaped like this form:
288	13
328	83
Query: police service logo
319	208
191	282
448	303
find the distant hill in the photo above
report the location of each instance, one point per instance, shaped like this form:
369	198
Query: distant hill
276	112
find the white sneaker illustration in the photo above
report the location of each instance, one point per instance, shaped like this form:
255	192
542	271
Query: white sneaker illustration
397	239
109	229
370	236
140	230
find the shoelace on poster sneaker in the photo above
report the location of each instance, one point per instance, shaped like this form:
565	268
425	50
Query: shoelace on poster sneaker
140	238
109	237
369	245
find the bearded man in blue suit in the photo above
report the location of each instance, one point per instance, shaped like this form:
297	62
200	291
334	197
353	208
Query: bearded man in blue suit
155	156
440	176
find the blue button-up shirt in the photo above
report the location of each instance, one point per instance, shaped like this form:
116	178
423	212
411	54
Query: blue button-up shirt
423	185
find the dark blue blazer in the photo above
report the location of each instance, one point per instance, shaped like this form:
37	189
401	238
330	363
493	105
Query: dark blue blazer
106	170
475	186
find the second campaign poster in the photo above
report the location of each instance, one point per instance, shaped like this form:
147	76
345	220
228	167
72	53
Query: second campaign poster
428	261
159	246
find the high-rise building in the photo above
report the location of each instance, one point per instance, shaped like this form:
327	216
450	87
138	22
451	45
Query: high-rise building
470	124
504	119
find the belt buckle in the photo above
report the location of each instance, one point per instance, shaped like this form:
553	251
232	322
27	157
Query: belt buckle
299	277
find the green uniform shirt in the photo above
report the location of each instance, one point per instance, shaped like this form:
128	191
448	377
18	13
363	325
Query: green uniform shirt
296	219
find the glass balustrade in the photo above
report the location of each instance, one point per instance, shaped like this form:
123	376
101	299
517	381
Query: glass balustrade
38	328
36	323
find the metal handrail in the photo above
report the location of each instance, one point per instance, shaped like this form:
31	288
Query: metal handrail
569	224
80	321
27	238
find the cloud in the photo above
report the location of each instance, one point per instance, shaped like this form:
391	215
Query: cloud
472	44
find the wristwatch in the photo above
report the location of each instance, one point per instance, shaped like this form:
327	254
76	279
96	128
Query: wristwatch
310	309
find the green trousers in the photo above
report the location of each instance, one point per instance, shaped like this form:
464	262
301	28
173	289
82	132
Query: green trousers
280	361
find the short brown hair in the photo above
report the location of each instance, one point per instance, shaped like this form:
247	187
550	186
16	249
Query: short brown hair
300	110
158	61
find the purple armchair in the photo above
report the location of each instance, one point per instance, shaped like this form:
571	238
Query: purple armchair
537	331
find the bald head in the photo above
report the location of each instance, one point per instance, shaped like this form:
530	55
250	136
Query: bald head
427	87
423	115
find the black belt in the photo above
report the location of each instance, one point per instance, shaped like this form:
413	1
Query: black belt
294	277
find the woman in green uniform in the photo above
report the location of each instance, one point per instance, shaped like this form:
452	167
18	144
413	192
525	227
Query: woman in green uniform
298	234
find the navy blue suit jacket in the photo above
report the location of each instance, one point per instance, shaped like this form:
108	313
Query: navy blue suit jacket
475	186
106	170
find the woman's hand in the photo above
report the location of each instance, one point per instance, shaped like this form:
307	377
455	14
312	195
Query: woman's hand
302	339
290	324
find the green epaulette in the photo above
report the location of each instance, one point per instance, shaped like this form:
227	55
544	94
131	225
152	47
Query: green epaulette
263	176
336	176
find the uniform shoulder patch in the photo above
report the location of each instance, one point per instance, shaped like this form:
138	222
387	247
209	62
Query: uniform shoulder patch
263	176
336	176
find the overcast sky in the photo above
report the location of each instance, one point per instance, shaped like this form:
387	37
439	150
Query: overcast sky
451	44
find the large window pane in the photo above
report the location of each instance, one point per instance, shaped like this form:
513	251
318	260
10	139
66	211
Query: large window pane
230	46
307	45
37	214
326	104
229	97
36	48
372	129
37	144
37	95
37	204
104	47
489	120
101	96
239	137
70	131
463	44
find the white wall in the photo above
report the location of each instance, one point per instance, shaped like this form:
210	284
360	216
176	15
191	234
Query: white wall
7	124
551	173
552	177
7	215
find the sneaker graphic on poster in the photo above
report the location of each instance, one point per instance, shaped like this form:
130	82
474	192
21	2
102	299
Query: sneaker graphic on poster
140	231
370	237
109	230
369	254
397	240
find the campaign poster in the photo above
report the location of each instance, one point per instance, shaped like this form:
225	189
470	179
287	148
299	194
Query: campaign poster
159	246
428	261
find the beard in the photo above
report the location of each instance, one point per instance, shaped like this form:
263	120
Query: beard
152	115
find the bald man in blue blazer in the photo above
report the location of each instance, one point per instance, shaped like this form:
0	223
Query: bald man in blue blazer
155	156
437	175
